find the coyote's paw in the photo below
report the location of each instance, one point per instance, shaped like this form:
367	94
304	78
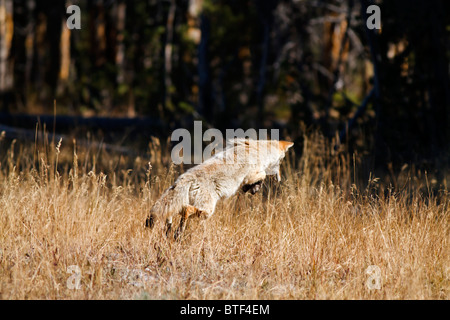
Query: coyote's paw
253	188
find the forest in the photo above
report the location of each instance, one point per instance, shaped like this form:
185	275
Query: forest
295	65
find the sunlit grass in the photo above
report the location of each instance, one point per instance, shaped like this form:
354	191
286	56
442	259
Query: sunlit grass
311	237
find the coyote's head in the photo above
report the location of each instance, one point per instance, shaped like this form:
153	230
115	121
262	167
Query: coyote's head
278	153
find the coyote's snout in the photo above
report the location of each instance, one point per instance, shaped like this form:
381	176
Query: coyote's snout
244	164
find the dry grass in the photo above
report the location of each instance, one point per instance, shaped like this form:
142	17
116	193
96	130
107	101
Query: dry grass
312	237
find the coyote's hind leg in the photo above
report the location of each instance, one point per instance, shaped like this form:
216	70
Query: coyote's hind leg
150	221
187	212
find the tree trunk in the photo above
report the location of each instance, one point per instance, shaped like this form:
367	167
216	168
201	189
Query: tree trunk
54	24
6	35
120	52
65	55
19	50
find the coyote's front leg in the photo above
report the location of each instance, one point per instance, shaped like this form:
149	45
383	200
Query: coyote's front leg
187	212
253	182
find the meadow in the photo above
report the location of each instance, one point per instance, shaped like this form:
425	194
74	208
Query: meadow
72	227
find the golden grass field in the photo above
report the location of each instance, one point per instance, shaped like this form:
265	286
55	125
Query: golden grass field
314	236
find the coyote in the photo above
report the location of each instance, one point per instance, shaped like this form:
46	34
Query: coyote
244	164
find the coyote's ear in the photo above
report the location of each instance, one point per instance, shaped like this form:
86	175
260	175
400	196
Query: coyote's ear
285	145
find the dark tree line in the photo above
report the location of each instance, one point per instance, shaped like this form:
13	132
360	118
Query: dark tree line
234	63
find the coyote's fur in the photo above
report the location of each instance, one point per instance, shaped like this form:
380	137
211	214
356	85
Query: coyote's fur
244	164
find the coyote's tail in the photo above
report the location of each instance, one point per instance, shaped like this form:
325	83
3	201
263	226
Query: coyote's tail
171	202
